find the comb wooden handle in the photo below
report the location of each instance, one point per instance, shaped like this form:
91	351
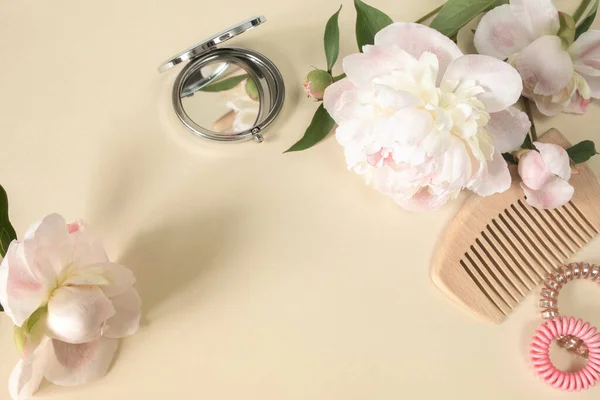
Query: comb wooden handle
497	249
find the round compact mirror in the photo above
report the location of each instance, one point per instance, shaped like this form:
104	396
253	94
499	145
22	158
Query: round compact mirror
226	93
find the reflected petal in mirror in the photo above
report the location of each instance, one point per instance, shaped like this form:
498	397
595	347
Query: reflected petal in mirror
221	97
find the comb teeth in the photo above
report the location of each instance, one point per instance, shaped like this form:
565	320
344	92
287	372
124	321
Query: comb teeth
521	246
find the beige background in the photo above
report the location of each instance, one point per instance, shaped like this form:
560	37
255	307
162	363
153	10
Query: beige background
264	276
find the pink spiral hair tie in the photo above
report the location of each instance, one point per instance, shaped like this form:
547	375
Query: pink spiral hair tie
540	357
551	289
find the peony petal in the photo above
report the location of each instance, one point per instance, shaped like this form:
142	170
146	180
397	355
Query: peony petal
578	105
27	375
594	85
539	16
391	99
126	320
545	67
533	170
21	290
49	246
456	167
508	129
494	179
76	364
408	126
114	279
586	53
548	105
417	39
332	98
556	159
76	314
501	81
555	193
88	247
425	200
500	34
362	68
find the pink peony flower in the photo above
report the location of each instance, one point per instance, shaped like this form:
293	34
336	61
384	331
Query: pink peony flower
557	78
421	121
69	303
545	174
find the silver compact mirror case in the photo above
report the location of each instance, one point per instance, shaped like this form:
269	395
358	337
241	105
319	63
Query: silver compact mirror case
226	94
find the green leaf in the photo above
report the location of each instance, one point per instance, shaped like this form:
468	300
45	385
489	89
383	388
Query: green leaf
457	13
225	84
509	158
590	8
582	151
585	9
527	142
585	25
331	40
7	232
369	21
319	127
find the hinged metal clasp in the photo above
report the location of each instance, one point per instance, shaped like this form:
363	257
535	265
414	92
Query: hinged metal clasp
256	133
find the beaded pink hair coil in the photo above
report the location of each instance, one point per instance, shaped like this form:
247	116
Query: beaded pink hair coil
549	297
540	353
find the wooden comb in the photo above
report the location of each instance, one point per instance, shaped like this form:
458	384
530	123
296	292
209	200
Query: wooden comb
497	249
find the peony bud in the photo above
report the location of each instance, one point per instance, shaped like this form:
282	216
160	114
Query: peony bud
251	89
316	82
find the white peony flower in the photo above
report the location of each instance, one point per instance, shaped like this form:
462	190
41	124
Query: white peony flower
421	121
69	303
557	78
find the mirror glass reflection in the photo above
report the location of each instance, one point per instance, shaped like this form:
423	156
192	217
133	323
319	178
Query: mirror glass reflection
221	97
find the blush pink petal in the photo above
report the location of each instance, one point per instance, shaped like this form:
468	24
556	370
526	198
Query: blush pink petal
502	82
417	39
586	53
533	171
88	247
500	34
362	68
332	98
545	67
21	290
495	178
126	320
77	314
27	375
424	200
555	193
545	105
508	129
76	364
594	84
48	247
578	105
539	16
556	159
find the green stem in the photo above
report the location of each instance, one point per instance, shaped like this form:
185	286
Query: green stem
529	112
337	78
429	15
